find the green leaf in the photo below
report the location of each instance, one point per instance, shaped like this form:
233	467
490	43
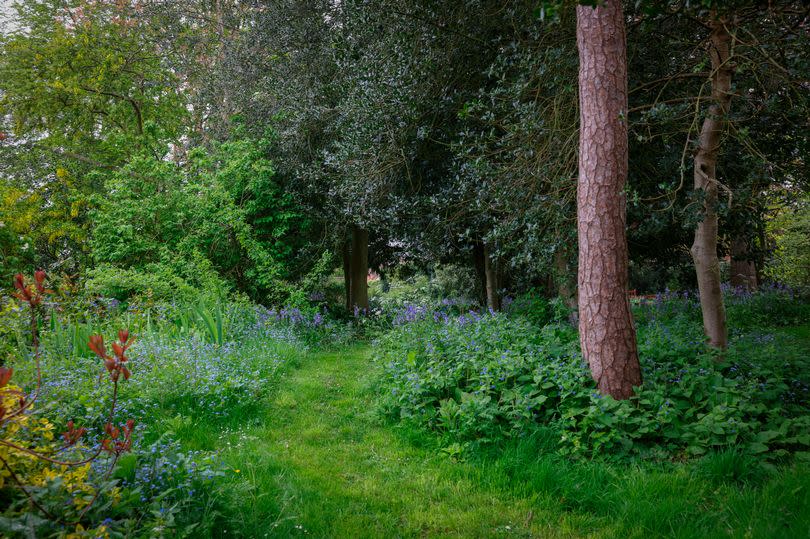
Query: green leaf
767	436
757	448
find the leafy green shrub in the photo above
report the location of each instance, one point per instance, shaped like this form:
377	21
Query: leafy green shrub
481	378
771	306
474	377
154	281
449	288
49	482
791	261
218	221
537	309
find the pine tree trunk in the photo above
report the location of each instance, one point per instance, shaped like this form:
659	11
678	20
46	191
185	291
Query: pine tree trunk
606	329
359	269
491	272
743	269
704	247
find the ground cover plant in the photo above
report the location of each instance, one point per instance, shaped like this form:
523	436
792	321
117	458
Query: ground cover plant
184	370
252	434
478	378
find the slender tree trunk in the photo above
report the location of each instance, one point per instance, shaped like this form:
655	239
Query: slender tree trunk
606	329
743	269
759	264
385	283
480	271
566	289
491	273
704	247
359	268
347	274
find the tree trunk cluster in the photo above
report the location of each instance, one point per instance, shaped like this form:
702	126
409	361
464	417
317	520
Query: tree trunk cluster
491	277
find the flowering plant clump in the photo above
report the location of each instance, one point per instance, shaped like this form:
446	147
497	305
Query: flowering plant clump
38	467
305	328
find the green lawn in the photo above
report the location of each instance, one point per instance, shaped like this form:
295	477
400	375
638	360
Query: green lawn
317	461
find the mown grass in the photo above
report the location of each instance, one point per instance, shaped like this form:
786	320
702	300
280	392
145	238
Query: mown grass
315	460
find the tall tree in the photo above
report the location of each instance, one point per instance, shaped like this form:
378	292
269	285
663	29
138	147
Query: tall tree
704	248
607	333
83	88
741	156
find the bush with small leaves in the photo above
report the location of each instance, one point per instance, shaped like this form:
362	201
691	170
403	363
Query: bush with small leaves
52	482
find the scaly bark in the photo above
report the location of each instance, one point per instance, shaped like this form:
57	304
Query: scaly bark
606	329
704	246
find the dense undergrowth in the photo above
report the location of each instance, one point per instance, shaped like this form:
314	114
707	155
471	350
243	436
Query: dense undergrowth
480	378
214	363
505	395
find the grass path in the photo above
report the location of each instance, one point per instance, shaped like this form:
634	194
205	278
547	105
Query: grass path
318	462
341	473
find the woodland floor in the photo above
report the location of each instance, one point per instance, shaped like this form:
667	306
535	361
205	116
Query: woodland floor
316	460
